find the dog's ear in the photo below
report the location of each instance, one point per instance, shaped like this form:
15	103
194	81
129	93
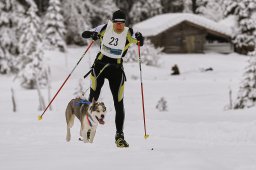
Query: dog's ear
103	106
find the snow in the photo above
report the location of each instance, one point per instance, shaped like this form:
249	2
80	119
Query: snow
160	23
196	133
230	21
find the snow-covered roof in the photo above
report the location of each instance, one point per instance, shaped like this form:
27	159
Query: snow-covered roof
160	23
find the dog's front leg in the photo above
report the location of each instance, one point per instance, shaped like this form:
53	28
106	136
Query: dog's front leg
83	131
84	134
92	135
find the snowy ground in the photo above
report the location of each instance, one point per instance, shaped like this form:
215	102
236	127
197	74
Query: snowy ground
196	133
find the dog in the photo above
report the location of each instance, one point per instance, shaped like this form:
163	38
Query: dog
89	114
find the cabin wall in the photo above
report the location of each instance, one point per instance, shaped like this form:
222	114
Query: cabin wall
182	38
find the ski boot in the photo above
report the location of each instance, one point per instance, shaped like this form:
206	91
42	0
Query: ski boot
120	142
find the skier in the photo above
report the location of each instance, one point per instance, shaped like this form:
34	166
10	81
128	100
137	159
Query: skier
115	39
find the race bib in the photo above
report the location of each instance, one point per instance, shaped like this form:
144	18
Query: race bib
113	43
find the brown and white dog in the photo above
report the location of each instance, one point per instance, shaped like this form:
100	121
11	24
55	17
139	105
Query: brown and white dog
89	114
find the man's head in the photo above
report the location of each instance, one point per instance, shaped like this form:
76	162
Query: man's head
118	20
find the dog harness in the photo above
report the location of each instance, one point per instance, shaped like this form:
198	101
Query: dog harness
89	119
81	101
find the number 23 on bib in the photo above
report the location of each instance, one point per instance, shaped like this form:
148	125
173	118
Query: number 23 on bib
113	43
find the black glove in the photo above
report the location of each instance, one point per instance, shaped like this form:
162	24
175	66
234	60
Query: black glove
86	34
94	36
140	38
90	34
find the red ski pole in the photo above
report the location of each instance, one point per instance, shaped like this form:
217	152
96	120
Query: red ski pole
142	95
40	117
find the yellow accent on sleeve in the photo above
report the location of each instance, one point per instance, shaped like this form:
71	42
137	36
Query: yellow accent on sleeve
131	41
102	35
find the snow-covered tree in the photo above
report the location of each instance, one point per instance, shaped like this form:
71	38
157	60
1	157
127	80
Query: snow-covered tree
42	6
100	11
54	30
75	20
187	6
125	5
190	6
247	92
243	9
81	15
142	10
172	6
32	70
245	41
8	41
149	54
211	9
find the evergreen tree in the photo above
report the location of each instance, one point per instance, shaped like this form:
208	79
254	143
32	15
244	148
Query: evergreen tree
247	91
187	6
245	39
172	6
211	9
194	6
75	20
149	54
126	6
42	6
81	15
99	12
54	27
32	71
8	48
142	10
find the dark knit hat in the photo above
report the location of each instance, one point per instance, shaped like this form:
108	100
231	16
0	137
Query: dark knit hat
118	16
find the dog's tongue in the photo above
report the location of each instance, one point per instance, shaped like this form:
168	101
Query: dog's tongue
101	121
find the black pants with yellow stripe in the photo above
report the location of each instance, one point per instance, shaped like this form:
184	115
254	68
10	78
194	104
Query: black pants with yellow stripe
107	68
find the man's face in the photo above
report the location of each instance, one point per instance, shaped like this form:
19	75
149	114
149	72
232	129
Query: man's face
118	26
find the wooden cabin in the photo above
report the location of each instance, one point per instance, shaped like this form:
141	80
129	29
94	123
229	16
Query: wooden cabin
188	33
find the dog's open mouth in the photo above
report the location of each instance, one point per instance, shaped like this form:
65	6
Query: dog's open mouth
101	121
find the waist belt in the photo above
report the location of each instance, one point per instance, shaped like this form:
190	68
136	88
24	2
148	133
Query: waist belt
106	59
106	65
